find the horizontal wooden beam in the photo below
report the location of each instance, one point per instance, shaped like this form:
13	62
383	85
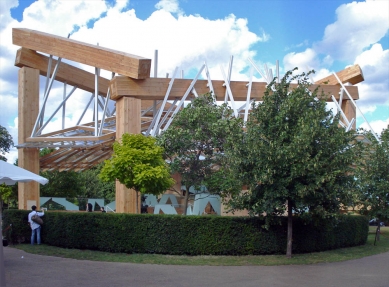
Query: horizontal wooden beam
352	75
155	89
96	56
66	73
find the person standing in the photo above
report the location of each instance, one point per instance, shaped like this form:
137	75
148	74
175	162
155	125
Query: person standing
102	209
89	207
35	227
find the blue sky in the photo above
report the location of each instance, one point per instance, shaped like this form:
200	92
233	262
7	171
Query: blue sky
326	36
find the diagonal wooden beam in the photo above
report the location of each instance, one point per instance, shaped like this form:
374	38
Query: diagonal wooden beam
155	89
352	75
96	56
66	73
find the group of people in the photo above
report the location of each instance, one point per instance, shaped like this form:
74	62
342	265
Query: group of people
36	228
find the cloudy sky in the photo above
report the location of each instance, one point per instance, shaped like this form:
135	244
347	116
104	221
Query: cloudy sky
326	36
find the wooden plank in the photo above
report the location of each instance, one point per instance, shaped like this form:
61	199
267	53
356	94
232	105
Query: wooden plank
352	75
350	111
96	56
128	120
66	73
28	158
28	102
155	89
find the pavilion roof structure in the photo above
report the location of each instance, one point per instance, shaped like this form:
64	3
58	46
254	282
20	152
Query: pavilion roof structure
87	144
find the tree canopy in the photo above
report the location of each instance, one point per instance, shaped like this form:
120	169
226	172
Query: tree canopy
373	177
194	143
137	162
6	142
294	157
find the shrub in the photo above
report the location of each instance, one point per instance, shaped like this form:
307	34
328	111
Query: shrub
191	235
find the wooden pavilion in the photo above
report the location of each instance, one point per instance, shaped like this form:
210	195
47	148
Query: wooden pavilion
143	104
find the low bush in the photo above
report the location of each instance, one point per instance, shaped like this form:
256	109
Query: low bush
191	235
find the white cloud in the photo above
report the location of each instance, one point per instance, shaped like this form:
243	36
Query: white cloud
171	6
374	64
353	37
61	17
358	25
304	60
377	126
182	40
185	41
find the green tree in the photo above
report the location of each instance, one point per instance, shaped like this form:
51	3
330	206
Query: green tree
194	144
6	142
73	185
5	193
137	162
61	184
294	157
94	187
373	177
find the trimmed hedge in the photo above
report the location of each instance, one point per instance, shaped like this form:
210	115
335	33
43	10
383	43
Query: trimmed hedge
192	235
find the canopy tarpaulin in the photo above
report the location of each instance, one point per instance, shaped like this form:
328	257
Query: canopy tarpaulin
11	174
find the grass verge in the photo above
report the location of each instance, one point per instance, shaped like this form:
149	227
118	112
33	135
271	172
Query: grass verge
265	260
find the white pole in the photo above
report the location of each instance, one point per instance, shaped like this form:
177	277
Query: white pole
355	105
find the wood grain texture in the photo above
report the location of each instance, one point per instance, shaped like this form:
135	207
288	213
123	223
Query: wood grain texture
28	107
352	75
155	89
66	73
96	56
128	120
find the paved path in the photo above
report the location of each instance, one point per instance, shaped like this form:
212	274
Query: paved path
24	269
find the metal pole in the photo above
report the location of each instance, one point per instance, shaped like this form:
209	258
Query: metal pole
96	100
42	110
2	271
355	105
228	77
64	105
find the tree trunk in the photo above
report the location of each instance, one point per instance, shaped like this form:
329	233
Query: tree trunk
186	199
378	232
290	229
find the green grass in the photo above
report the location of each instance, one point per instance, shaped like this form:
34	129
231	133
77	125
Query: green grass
266	260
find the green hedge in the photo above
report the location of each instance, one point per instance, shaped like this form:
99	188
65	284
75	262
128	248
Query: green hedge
192	235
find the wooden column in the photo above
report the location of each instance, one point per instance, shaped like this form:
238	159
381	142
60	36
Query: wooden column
28	158
128	120
350	111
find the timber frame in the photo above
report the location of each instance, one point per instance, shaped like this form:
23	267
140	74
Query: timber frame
143	104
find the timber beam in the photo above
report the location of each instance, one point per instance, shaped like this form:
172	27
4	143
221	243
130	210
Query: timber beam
155	89
96	56
352	75
66	73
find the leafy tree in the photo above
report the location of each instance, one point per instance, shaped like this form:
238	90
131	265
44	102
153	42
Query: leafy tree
72	185
294	157
373	178
61	184
137	163
194	144
6	142
94	187
5	193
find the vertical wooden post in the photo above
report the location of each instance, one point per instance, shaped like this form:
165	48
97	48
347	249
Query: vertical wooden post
128	120
350	111
28	158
